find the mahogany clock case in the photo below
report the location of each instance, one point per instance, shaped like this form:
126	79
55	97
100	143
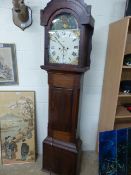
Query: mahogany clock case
62	146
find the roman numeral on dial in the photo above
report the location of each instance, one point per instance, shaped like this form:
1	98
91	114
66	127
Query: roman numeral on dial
74	54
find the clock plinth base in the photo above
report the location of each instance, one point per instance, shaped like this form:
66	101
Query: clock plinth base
60	157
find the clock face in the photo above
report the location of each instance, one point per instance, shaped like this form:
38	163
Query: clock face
64	46
64	40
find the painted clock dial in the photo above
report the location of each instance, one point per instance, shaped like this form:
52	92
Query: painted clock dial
64	40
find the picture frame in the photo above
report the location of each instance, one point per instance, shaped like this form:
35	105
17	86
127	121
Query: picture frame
17	127
8	64
128	8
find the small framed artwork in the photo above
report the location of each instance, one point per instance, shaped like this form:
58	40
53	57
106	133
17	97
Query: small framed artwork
128	8
17	119
8	64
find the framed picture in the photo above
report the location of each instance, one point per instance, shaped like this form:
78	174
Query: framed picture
128	8
8	64
17	119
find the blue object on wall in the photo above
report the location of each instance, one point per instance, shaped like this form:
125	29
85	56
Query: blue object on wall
115	152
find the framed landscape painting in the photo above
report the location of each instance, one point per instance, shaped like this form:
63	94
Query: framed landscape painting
17	118
8	64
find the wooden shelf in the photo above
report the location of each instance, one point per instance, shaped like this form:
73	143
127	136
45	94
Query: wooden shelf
122	118
124	94
126	67
120	125
122	113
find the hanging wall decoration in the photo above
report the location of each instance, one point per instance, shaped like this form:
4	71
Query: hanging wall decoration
22	14
8	64
17	118
128	8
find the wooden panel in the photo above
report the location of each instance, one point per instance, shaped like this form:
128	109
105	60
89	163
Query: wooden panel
120	125
65	80
60	135
126	74
113	67
61	99
129	25
128	45
124	99
128	49
63	122
64	89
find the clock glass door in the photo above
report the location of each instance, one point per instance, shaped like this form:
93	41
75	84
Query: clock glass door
64	38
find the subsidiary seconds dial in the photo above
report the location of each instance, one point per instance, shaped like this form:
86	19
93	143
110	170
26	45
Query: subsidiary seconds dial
64	46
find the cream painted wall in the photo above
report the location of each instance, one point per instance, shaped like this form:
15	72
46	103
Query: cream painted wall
30	55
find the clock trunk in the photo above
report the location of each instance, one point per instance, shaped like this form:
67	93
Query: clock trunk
62	148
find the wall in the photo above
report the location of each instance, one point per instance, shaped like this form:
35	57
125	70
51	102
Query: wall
30	55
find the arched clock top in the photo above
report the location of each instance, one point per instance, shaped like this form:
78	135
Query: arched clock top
77	7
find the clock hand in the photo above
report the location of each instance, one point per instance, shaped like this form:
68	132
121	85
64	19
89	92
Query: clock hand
59	42
56	39
63	54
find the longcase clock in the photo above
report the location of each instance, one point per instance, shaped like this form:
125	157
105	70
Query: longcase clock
68	35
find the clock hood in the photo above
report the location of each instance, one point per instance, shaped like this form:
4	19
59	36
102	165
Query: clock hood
76	6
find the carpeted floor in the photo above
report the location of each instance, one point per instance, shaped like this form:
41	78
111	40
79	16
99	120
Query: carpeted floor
89	167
